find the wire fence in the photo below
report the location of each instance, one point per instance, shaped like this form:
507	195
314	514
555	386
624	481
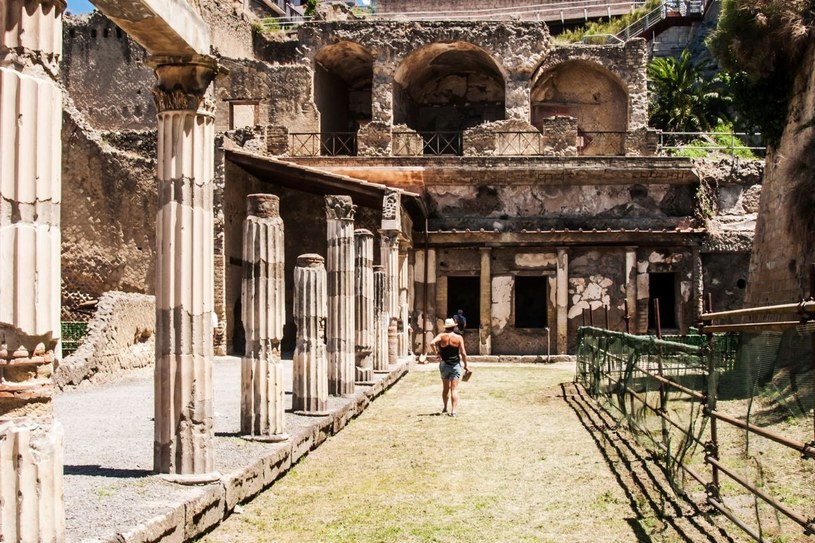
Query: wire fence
729	415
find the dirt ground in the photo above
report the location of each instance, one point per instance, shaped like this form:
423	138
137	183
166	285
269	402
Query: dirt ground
524	461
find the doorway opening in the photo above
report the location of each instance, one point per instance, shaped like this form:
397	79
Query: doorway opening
662	287
464	293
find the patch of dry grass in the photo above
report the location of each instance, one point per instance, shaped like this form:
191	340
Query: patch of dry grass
516	465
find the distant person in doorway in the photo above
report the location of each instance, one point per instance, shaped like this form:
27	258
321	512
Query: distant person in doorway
450	349
461	322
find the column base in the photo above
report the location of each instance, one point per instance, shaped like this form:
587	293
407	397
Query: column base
273	438
313	413
365	383
193	479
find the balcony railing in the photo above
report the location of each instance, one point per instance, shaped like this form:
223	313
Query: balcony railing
442	143
519	143
323	143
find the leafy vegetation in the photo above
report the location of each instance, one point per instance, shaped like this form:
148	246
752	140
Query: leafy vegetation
759	43
682	99
612	26
311	8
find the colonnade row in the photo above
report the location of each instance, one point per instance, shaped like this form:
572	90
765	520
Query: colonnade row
345	312
31	440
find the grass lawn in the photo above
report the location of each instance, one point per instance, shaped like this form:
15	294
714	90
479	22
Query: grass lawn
517	465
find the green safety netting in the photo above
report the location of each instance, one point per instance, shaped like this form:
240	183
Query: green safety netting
690	399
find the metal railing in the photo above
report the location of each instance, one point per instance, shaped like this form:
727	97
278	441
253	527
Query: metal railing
735	142
601	143
442	143
560	11
672	397
519	143
669	8
323	143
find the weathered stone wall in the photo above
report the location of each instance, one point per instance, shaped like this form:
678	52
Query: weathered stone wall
108	214
104	74
121	336
784	241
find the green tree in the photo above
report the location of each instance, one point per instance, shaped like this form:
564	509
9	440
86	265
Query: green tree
759	44
311	8
682	99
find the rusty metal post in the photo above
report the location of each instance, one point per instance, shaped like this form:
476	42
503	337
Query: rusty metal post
605	307
583	315
591	317
712	447
657	320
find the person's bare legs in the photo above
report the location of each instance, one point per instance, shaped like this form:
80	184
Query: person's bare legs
453	396
445	392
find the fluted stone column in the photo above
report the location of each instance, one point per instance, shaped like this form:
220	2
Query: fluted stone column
310	382
340	269
389	253
263	294
31	465
381	321
364	304
404	316
184	263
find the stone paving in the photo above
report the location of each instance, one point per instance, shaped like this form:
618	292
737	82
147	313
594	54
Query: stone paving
111	493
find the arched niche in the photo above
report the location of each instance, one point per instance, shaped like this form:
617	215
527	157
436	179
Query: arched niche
448	87
590	93
343	73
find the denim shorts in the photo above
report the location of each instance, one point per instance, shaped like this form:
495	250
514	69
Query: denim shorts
450	371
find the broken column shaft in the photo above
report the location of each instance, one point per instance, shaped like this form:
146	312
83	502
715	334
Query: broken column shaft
340	270
364	304
184	264
263	294
310	380
31	463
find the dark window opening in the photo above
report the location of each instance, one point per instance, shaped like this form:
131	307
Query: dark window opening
741	283
464	293
531	302
662	287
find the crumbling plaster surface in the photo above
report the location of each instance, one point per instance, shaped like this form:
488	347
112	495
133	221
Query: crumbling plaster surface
108	214
627	62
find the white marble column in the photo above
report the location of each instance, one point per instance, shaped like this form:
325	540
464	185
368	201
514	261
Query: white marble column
340	270
31	462
263	294
562	297
364	304
310	379
381	321
184	263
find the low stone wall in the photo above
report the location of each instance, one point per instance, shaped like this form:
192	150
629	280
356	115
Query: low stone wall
121	336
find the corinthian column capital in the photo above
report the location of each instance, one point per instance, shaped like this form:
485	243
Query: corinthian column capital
339	208
183	83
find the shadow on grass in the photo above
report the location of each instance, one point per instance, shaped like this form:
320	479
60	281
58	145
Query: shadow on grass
647	494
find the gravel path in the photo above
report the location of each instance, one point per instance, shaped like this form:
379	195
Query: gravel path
108	447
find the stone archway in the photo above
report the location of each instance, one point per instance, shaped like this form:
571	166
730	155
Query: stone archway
588	92
448	87
343	74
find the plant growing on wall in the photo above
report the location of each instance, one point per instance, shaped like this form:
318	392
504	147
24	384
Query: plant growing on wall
759	43
311	8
